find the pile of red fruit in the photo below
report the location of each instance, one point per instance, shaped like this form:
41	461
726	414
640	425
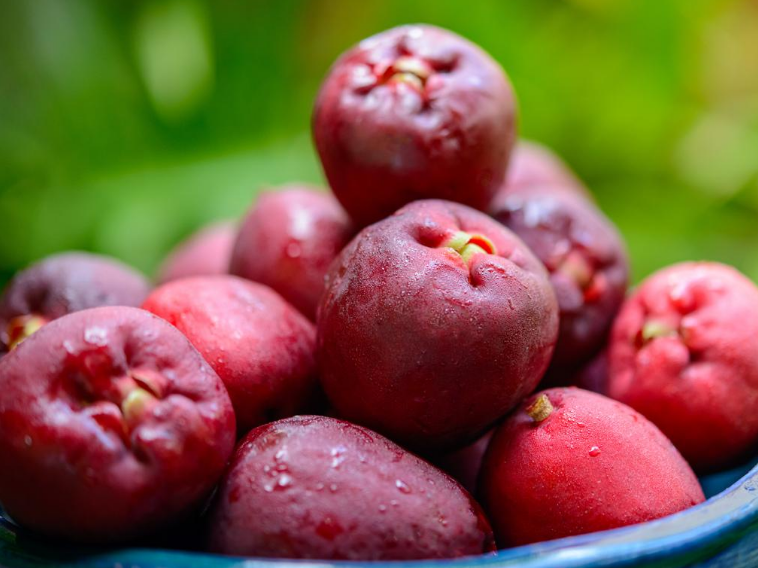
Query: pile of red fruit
347	345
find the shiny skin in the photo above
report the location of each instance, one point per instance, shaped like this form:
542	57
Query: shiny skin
68	282
385	141
585	257
698	382
423	347
593	464
204	253
262	348
320	488
288	240
76	464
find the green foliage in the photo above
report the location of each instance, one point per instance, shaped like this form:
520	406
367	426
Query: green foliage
125	125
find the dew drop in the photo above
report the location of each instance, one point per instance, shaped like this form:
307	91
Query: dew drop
96	336
382	508
283	482
319	486
28	441
594	451
333	488
402	486
394	503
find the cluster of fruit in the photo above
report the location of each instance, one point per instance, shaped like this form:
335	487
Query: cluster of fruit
456	271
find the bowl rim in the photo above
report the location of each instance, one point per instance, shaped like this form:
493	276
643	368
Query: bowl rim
709	526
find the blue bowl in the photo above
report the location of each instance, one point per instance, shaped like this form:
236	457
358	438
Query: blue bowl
722	532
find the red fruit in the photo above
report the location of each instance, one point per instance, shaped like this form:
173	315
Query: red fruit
321	488
61	284
435	322
464	464
288	240
533	164
585	257
204	253
111	426
571	462
684	352
412	113
260	346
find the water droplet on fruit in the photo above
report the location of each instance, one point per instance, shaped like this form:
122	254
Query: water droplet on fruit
281	455
338	456
282	467
402	486
283	482
581	425
96	336
333	488
28	441
319	486
382	508
394	503
294	250
594	451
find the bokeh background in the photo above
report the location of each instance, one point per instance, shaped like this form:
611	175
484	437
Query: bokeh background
124	125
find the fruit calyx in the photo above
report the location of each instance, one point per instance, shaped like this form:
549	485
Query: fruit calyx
467	245
411	70
540	409
21	327
654	328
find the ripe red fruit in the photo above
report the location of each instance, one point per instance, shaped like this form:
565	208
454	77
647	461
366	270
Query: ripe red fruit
288	240
435	322
533	164
321	488
262	348
414	112
61	284
111	426
571	462
586	259
204	253
684	352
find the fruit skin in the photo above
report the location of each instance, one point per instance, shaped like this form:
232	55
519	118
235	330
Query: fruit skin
262	348
385	141
288	240
82	469
593	464
697	378
320	488
204	253
533	164
585	257
68	282
416	344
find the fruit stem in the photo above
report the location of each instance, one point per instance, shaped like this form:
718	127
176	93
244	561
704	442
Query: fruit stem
21	327
540	409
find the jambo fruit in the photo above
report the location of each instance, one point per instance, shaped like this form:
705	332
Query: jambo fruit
205	253
585	257
288	240
61	284
111	426
684	352
533	164
435	322
571	462
262	348
316	487
412	113
464	464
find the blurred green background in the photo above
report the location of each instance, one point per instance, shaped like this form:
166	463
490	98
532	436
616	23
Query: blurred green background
124	125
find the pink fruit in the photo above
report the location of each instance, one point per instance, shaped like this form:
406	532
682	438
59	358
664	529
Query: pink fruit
204	253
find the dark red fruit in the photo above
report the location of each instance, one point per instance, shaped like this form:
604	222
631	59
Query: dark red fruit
465	464
262	348
412	113
111	426
204	253
320	488
585	257
288	240
571	462
435	322
684	352
61	284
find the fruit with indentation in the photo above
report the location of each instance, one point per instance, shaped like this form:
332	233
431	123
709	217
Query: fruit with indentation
112	427
62	284
435	322
262	348
684	352
321	488
570	462
415	112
